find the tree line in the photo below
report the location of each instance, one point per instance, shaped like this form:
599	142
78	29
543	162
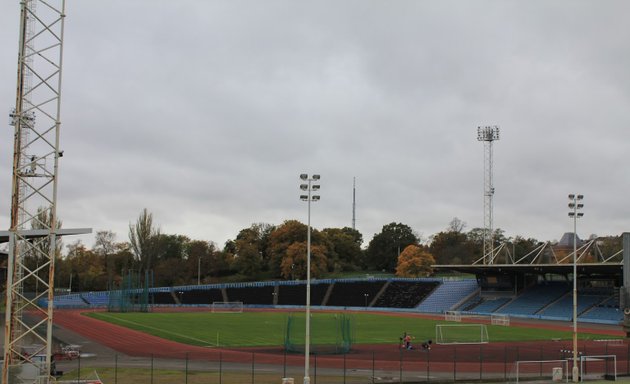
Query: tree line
264	252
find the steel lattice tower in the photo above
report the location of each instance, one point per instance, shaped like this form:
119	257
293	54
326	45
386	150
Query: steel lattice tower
33	232
488	134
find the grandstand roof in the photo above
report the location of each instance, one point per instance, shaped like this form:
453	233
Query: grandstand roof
609	269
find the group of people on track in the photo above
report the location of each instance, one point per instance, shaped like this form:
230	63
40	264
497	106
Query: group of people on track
405	342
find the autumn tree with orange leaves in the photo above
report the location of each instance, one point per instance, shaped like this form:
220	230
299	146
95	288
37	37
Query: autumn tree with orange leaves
414	262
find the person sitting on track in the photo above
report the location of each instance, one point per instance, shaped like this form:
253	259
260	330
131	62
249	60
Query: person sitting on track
407	341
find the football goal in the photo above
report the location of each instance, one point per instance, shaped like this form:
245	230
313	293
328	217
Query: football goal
227	307
598	367
497	319
461	334
453	316
554	370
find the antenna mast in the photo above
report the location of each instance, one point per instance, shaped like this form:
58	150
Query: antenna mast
354	202
488	134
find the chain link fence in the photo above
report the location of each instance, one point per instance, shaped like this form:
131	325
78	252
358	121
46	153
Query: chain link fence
456	363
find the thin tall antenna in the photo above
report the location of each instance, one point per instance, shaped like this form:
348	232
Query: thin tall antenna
488	134
354	202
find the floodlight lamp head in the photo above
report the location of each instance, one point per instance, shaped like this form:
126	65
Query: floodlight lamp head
315	177
580	205
580	214
571	205
304	197
571	196
316	198
315	187
488	133
304	187
303	176
580	197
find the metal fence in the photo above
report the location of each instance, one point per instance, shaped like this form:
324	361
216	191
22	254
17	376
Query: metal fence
456	363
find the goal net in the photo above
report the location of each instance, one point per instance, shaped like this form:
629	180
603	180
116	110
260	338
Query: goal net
330	333
500	320
227	307
461	334
598	367
453	316
552	370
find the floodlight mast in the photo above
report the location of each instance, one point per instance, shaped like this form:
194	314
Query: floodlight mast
310	187
574	214
488	134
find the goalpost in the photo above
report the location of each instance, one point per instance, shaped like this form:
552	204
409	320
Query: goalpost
461	334
453	316
598	367
496	319
595	367
227	307
556	370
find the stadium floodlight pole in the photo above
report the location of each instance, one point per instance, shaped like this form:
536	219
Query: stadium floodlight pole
309	187
488	134
574	206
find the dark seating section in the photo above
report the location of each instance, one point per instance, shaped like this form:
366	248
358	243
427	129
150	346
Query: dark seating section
353	294
548	299
405	294
296	294
251	295
199	296
162	298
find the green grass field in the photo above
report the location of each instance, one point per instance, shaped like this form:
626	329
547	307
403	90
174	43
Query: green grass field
268	328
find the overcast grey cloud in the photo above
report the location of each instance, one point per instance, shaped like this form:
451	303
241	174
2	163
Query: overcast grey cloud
206	112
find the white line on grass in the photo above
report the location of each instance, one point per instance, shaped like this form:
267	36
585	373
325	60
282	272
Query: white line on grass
158	329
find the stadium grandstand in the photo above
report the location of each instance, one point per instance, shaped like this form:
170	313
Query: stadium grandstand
538	286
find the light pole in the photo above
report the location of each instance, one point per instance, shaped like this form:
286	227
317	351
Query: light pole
574	206
309	187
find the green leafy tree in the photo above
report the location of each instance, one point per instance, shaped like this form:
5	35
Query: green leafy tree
611	245
451	248
88	269
384	248
105	248
143	237
344	248
414	261
121	261
169	272
172	247
475	238
248	261
201	256
257	235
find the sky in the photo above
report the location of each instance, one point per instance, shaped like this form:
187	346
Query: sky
206	113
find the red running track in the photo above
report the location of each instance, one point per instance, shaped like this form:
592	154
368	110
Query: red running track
442	357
